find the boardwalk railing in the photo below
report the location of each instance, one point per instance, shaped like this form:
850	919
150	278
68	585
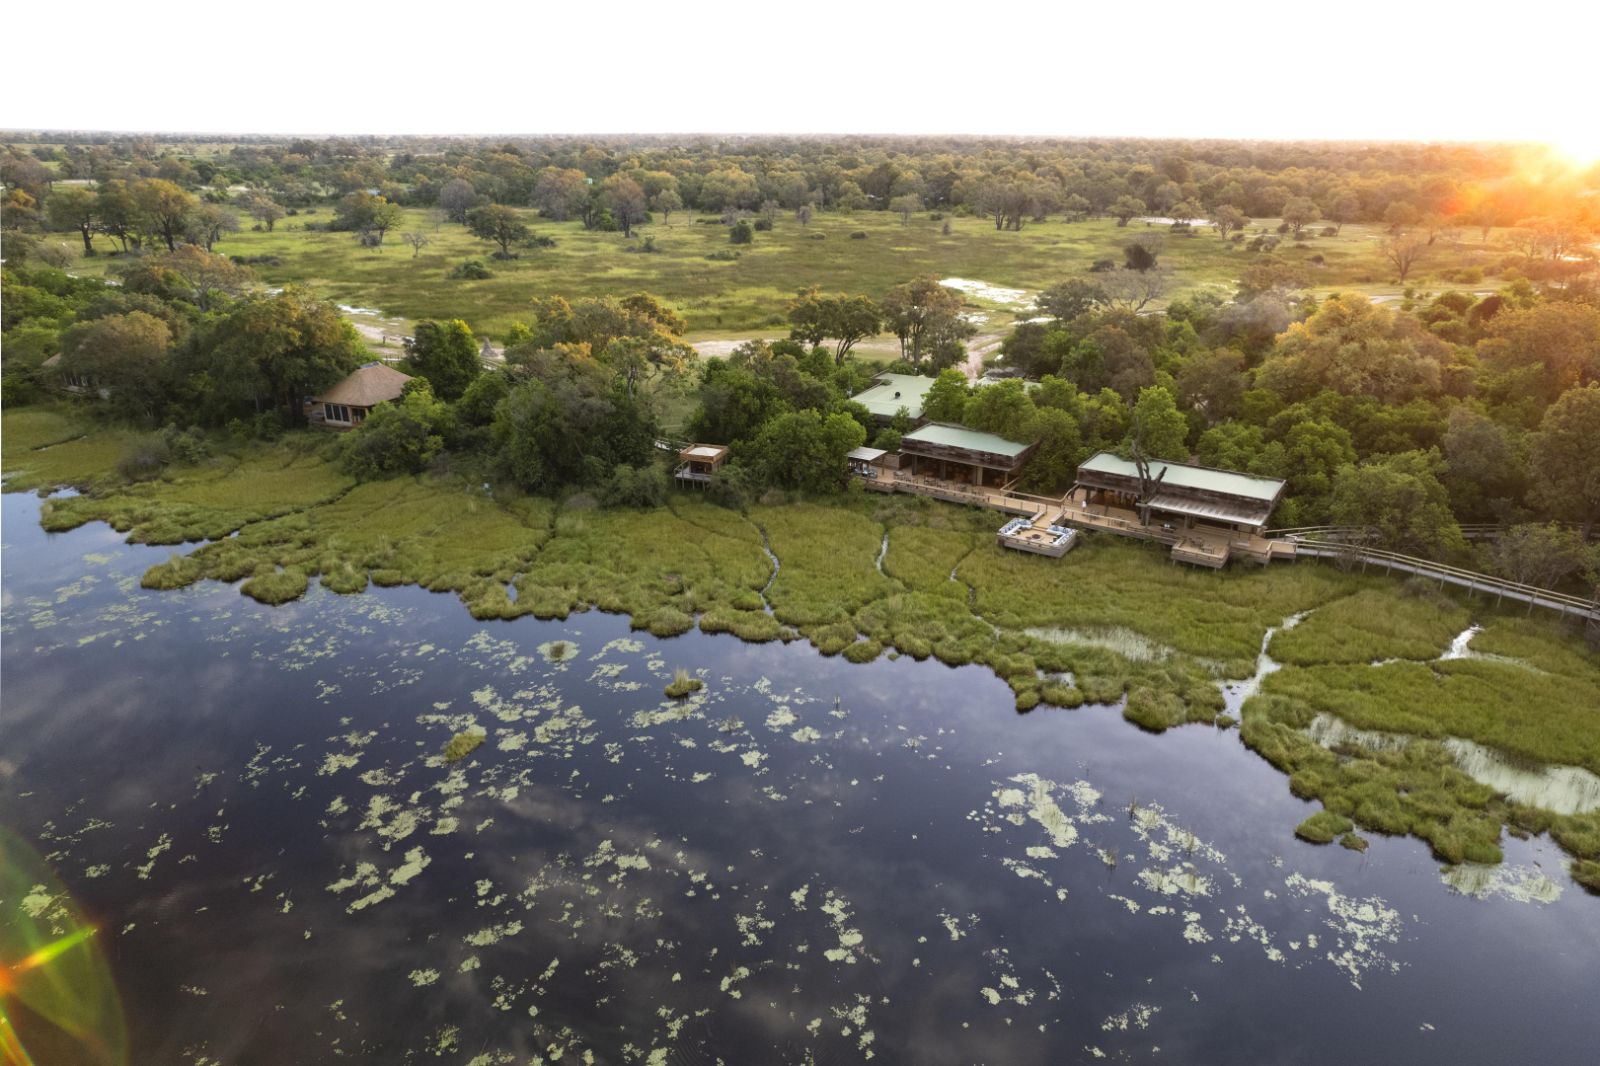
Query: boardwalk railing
1471	580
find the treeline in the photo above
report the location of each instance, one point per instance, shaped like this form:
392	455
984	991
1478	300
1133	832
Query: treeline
1012	182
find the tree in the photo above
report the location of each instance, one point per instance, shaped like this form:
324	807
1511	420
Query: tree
1357	348
1403	252
814	318
805	450
1133	290
639	358
1213	383
499	224
74	208
1484	471
1125	207
625	199
204	275
742	232
923	314
1566	458
1228	219
1299	213
1141	255
1067	300
946	398
122	353
264	209
1060	450
401	437
281	349
1399	504
1542	555
1399	217
418	241
164	207
1159	428
456	197
1543	350
906	206
446	354
561	194
208	222
667	201
1003	408
1342	208
802	214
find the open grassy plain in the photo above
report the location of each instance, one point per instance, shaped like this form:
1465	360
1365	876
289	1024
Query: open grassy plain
746	296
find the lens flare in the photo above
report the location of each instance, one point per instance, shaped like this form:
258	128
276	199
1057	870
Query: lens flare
58	1002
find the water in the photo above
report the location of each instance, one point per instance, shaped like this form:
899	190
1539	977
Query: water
810	861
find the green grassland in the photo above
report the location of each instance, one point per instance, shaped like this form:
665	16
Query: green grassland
746	296
864	575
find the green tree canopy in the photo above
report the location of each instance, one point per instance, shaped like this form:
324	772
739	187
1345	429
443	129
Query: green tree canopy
446	353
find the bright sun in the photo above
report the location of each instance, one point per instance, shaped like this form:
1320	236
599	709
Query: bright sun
1581	147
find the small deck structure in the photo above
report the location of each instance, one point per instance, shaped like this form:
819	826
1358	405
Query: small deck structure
347	404
698	463
961	456
892	393
872	464
1039	535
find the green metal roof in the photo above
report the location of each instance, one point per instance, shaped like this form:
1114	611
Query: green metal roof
1185	476
971	439
894	391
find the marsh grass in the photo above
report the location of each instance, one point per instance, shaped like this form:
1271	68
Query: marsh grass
461	745
1323	827
682	684
1373	624
1532	696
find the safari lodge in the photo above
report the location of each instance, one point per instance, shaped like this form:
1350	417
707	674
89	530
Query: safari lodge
347	404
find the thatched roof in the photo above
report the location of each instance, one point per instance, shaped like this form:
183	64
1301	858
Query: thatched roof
369	386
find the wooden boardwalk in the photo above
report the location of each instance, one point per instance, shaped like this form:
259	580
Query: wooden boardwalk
1215	547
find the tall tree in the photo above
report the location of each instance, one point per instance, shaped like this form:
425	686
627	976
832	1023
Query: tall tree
75	208
922	314
165	208
625	199
446	353
456	198
1400	504
1566	457
497	223
280	349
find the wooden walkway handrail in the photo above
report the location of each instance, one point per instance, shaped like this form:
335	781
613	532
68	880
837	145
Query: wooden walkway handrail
1473	580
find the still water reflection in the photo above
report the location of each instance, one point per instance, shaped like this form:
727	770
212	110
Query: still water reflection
809	861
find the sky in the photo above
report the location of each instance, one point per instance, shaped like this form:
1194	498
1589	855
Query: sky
1397	70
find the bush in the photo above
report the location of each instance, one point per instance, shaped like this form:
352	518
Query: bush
742	233
723	255
1329	231
649	245
763	225
145	460
1102	266
817	236
642	487
185	446
858	235
539	240
471	270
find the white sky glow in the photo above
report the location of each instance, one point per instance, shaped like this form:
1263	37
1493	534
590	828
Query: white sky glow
1395	70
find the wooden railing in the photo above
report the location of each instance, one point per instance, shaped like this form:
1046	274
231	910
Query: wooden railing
1471	580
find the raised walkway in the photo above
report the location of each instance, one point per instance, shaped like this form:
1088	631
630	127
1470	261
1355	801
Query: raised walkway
1204	546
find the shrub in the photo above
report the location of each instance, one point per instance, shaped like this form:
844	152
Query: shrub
723	255
145	460
763	225
185	446
742	232
858	235
643	486
471	270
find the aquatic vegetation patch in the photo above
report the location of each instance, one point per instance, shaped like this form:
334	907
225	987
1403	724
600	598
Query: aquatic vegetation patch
1372	625
682	684
463	744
